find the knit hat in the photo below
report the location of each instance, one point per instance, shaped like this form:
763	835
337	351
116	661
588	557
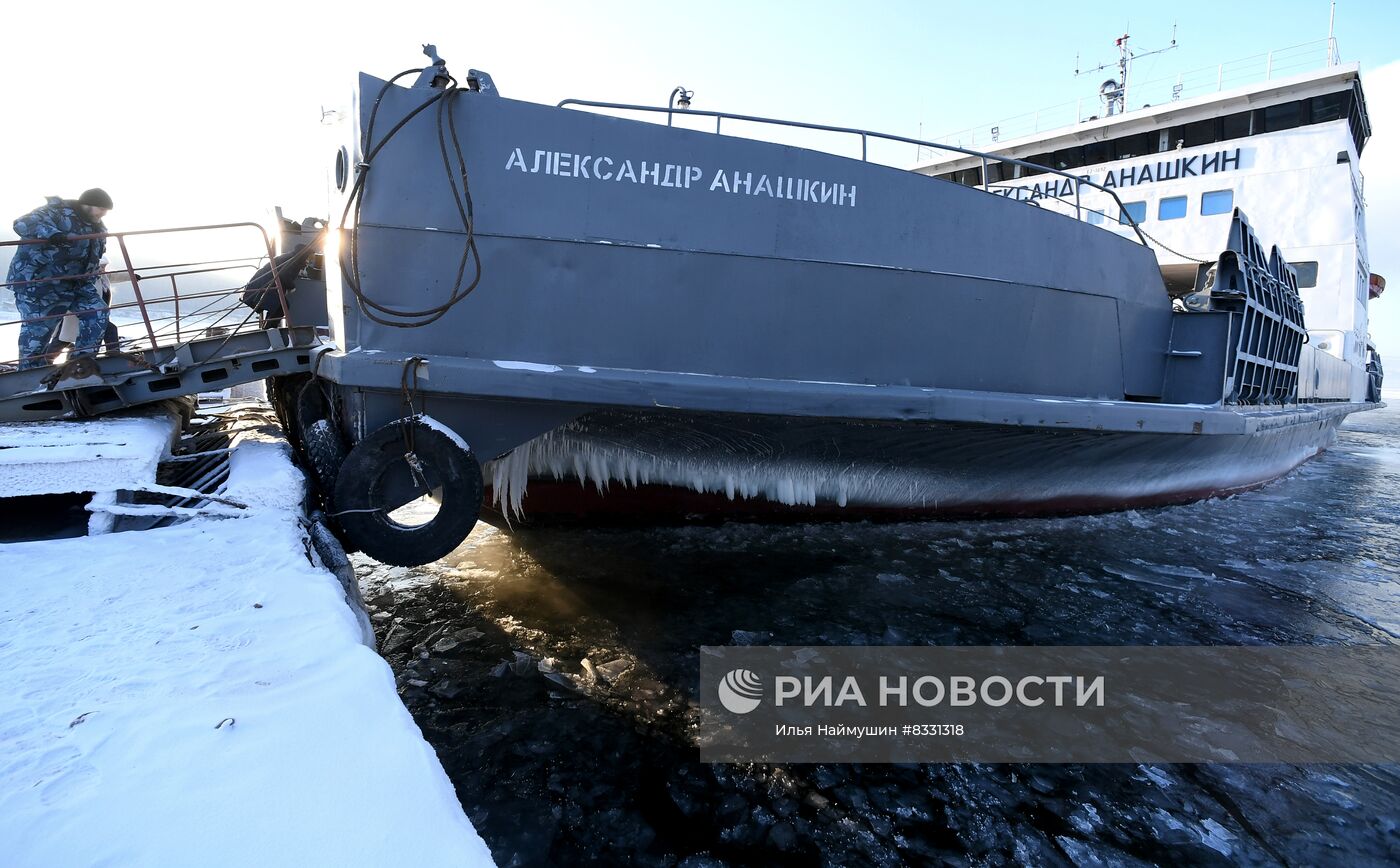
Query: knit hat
96	197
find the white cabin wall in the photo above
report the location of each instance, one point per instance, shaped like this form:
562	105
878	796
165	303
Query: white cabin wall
1289	184
1293	191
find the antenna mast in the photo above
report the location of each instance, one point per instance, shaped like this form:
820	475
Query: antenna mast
1331	35
1115	93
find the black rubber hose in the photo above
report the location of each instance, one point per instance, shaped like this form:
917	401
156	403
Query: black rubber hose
461	199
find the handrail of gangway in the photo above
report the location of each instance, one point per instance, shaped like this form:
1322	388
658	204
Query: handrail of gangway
865	135
135	278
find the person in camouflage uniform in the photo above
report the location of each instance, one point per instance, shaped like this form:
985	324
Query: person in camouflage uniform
42	301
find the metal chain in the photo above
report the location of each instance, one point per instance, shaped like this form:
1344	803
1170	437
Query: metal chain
1174	252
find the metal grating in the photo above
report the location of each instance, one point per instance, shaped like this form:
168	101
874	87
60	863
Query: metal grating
1263	289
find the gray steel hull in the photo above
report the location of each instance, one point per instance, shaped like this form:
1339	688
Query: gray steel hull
638	349
901	280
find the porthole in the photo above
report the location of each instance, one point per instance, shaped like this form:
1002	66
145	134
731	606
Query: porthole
342	168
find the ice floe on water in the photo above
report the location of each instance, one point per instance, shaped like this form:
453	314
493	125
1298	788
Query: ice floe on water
1313	558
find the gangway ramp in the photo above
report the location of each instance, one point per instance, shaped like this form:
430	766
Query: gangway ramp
181	325
169	372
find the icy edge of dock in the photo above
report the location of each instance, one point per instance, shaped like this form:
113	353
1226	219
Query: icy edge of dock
199	694
98	455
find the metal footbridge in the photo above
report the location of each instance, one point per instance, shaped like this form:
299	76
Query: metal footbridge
181	323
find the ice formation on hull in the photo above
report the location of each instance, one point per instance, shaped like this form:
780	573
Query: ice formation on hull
847	468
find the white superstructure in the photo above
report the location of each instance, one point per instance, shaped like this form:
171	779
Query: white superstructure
1285	151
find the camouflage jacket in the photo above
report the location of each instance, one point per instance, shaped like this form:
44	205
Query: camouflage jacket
58	217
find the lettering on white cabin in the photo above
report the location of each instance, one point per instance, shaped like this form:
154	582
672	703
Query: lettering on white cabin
1059	187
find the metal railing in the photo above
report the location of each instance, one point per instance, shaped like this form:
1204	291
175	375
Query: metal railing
1188	84
865	136
165	316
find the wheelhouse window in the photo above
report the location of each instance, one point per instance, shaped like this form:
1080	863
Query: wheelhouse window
1000	172
1217	202
1039	160
1097	152
1331	107
1134	146
1281	117
1069	158
970	177
1135	210
1307	273
1096	217
1198	133
1171	208
1236	126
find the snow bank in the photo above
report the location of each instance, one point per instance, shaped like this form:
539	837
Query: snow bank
262	476
198	695
107	454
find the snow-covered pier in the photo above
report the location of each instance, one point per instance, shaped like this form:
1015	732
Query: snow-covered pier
199	693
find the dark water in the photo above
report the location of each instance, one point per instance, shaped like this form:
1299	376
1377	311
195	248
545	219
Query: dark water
596	765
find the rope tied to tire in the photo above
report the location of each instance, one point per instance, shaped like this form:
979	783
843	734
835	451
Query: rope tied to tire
408	383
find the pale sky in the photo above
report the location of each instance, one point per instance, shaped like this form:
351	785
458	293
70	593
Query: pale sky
190	113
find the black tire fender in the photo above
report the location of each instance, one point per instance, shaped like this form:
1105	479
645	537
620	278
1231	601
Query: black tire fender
358	505
282	394
320	448
325	453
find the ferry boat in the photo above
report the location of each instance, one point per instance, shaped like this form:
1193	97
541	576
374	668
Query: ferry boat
1284	148
585	312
